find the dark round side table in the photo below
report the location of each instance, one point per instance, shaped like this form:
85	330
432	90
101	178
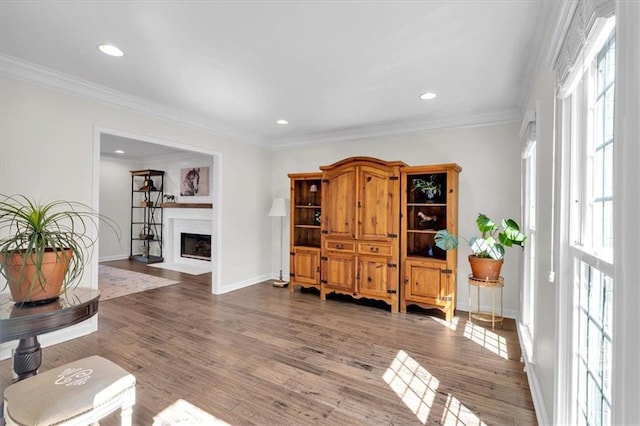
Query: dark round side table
25	323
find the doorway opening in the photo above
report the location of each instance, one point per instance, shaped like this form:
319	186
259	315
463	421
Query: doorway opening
112	173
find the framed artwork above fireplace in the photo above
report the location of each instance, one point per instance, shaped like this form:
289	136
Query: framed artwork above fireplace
194	182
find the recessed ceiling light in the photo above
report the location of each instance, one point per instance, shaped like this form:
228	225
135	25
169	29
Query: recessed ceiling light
427	96
110	49
119	151
282	122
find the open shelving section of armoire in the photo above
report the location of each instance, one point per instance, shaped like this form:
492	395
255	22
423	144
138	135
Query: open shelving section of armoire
306	213
365	228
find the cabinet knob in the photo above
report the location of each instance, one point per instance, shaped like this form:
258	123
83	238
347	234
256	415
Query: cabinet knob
374	249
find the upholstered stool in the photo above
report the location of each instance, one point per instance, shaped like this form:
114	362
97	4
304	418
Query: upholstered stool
79	393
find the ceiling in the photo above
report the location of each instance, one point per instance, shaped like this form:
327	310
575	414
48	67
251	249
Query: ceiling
333	69
122	148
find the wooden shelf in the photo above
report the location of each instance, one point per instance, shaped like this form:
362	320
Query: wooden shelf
426	205
147	172
186	205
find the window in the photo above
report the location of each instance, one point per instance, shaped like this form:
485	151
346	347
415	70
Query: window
591	236
529	228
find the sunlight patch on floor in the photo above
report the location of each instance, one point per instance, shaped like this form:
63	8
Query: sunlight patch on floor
487	339
453	324
413	384
456	413
183	413
417	388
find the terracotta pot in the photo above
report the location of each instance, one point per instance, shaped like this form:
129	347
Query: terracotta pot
485	268
32	288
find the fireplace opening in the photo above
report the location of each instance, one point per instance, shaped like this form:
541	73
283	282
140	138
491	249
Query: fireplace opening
195	246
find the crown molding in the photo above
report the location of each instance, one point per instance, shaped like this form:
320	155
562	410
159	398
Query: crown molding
25	71
31	73
405	127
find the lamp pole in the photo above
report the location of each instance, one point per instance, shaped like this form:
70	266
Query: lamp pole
278	209
281	244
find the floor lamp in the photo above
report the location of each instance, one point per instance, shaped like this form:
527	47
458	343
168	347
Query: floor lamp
279	209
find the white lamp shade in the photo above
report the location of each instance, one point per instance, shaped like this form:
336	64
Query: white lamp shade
278	208
313	188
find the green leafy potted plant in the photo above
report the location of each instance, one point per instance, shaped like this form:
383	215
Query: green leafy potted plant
45	247
487	249
429	187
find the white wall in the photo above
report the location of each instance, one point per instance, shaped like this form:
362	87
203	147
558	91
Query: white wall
489	182
541	372
172	165
626	315
115	203
47	152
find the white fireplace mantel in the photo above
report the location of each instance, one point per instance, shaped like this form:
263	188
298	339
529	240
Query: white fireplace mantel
178	220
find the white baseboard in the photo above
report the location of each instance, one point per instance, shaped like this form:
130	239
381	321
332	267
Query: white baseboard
115	257
534	386
245	283
507	313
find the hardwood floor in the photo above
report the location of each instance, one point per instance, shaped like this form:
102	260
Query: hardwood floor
259	356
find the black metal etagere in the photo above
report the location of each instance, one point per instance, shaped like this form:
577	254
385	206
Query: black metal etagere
147	188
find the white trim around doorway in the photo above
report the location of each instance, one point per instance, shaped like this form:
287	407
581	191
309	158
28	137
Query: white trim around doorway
216	167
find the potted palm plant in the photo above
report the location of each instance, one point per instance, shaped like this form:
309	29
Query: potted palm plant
45	247
487	249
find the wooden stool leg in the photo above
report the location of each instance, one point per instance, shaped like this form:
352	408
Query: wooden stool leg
129	399
126	416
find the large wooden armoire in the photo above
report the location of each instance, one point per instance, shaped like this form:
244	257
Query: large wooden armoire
365	228
361	228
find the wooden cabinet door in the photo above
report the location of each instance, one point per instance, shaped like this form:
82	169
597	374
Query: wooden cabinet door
339	272
339	191
377	206
374	276
306	266
425	282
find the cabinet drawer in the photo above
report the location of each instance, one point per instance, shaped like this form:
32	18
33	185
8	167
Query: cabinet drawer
348	246
372	248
